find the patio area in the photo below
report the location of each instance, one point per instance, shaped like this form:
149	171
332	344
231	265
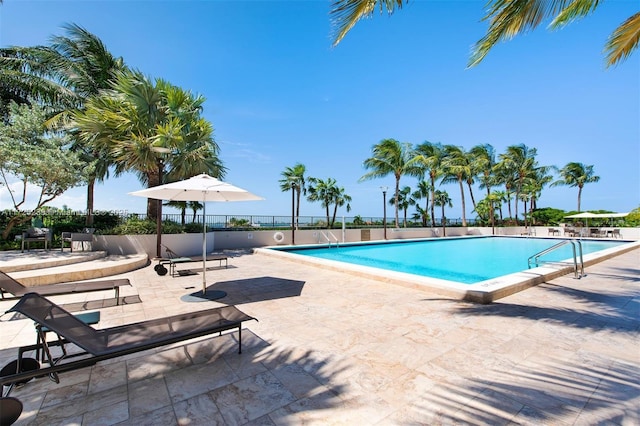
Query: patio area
333	348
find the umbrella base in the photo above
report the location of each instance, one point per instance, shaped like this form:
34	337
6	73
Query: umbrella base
207	296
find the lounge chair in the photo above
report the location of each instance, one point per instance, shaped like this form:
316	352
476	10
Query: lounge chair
172	259
9	285
86	236
108	343
36	235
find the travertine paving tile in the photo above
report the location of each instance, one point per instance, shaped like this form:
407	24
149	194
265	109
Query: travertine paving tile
251	398
331	348
146	396
199	410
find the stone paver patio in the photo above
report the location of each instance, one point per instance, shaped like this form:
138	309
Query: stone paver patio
333	348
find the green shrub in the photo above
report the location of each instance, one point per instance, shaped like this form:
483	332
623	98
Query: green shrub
105	219
135	226
633	218
194	228
548	216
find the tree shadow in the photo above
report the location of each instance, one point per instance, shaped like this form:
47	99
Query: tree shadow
613	309
204	380
616	312
547	392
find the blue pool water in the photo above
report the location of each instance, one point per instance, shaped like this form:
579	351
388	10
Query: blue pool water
465	260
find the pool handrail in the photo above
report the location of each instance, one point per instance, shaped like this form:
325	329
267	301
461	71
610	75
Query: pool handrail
326	237
536	256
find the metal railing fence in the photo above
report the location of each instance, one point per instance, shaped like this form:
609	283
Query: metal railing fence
105	220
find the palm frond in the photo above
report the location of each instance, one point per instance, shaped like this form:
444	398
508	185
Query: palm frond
345	14
508	18
623	41
576	9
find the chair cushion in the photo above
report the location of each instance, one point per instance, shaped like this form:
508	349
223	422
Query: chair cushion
37	232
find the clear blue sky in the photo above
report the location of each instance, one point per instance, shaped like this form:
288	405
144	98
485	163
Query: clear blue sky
278	93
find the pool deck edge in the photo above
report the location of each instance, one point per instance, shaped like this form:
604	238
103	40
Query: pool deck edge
484	292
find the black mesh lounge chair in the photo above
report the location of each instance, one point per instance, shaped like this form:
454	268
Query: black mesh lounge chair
9	285
113	342
172	259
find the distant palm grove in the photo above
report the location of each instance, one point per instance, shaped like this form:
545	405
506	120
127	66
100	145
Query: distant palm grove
508	179
72	114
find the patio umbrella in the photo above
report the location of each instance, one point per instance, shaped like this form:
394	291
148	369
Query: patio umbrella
583	215
199	188
589	215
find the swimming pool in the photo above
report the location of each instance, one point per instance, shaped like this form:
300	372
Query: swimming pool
465	260
472	268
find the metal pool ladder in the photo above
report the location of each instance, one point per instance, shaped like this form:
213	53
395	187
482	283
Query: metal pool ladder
326	237
535	258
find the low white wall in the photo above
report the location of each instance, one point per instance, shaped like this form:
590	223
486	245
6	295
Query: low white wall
191	244
183	244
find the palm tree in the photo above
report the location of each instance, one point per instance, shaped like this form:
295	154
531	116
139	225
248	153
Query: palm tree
147	127
328	193
65	75
183	206
499	197
392	157
180	205
293	179
576	174
483	162
524	196
443	200
423	191
431	157
509	18
404	201
194	206
505	175
457	168
519	161
25	80
340	198
539	180
506	20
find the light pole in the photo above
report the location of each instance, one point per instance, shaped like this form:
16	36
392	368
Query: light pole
384	209
293	213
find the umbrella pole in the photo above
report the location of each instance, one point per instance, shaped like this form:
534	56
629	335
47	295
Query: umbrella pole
204	246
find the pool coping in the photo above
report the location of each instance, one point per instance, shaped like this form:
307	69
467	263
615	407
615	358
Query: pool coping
482	292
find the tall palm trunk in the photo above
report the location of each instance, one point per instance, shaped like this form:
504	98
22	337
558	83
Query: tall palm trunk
464	204
433	197
298	191
90	188
335	212
395	201
579	196
328	217
154	206
473	200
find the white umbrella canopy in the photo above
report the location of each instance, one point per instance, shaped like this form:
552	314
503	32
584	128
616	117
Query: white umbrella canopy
199	188
583	215
589	215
